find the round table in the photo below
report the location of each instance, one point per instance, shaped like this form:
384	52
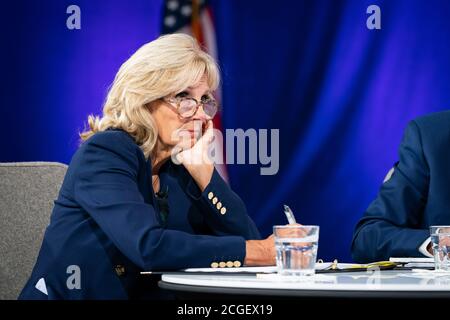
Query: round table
379	284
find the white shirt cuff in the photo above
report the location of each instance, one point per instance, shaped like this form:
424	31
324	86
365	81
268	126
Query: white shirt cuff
423	248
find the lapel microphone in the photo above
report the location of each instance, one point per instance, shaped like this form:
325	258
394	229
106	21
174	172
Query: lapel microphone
163	194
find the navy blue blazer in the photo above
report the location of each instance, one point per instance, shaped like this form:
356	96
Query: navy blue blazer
416	196
108	223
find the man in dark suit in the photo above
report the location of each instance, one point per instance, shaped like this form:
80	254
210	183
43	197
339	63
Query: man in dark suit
414	195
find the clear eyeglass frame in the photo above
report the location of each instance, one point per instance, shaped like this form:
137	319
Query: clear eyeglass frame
187	107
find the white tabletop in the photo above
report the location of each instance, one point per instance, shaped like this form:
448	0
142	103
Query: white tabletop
389	281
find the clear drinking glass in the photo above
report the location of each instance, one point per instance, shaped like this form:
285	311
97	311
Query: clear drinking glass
440	239
296	248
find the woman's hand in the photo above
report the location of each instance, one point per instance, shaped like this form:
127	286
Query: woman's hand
260	252
196	160
263	252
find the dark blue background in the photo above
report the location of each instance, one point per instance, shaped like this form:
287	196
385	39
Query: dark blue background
340	94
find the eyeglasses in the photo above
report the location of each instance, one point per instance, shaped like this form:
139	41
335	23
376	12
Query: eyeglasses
187	107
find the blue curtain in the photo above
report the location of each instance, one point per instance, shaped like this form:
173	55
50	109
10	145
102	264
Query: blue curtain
340	94
55	77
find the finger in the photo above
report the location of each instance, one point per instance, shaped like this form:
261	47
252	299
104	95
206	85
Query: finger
209	125
208	136
444	241
293	233
179	156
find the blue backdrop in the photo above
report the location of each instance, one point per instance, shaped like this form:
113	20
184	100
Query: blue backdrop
340	94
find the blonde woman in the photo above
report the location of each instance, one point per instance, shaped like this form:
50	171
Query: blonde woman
125	206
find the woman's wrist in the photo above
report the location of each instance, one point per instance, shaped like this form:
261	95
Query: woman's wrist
201	174
259	252
251	253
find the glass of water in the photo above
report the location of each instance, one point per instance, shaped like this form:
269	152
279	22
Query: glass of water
296	248
440	239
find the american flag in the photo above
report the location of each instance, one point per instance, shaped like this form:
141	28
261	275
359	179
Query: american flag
195	18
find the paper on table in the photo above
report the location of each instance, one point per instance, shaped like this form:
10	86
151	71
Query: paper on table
411	259
250	270
268	269
315	278
419	265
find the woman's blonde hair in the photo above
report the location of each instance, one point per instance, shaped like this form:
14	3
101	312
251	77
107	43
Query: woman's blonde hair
159	68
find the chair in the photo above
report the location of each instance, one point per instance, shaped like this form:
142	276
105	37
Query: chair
27	192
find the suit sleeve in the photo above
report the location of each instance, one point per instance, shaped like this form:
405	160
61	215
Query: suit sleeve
106	187
225	212
390	226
